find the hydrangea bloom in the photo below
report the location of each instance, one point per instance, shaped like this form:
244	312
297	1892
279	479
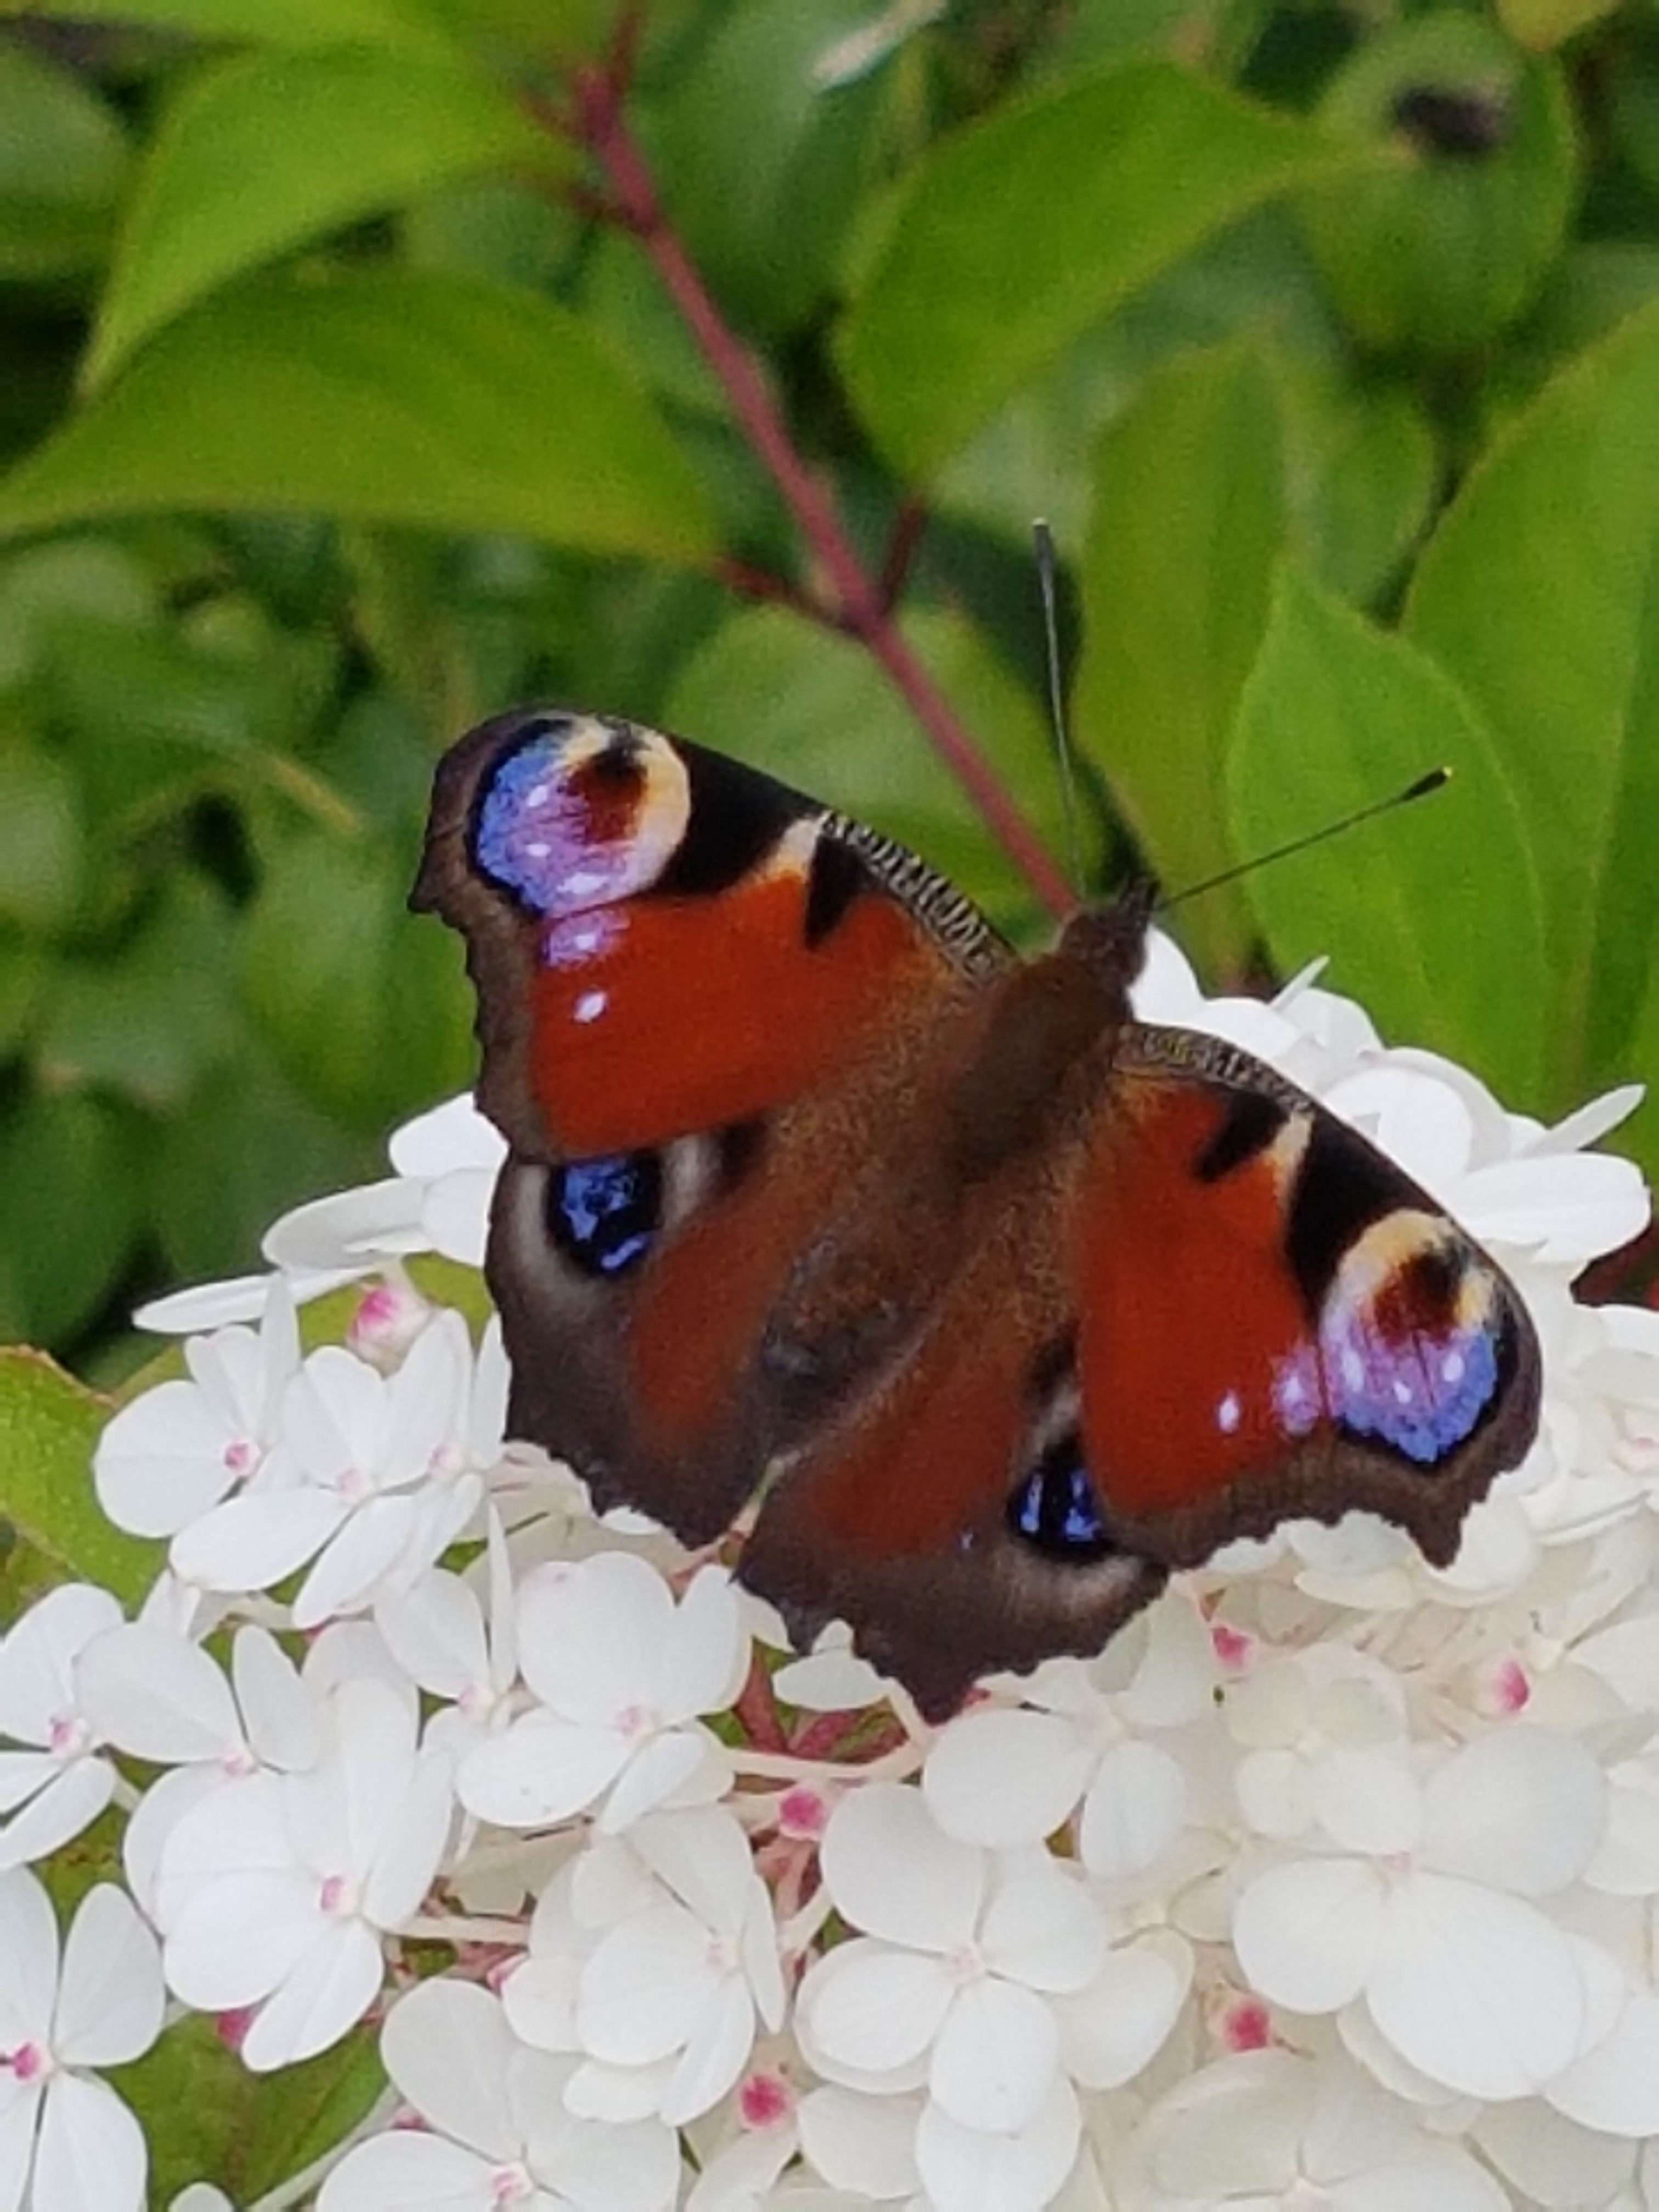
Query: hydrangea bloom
1332	1881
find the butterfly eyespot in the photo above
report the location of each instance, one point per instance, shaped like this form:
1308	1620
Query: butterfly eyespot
603	1215
1055	1508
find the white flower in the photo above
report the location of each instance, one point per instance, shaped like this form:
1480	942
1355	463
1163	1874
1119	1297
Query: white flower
175	1450
436	1633
67	2143
368	1479
621	1674
665	2004
1320	1728
279	1890
1434	1926
500	2134
1271	2130
164	1699
54	1789
985	1975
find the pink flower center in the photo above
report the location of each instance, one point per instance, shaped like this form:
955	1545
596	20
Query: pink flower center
236	1761
239	1456
510	2184
1509	1689
635	1723
763	2099
28	2062
803	1813
1233	1647
356	1485
68	1735
964	1964
1245	2025
722	1954
336	1896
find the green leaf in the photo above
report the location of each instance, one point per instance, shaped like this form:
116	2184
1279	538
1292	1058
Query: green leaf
1361	468
244	1147
1431	915
799	146
205	2117
1189	520
63	166
1013	236
273	148
1536	594
148	1020
42	847
265	22
366	1006
384	395
48	1426
70	1169
811	707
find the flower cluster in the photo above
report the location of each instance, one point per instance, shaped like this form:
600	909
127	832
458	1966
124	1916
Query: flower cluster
1333	1881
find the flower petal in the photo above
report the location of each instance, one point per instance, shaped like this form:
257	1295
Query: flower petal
893	1872
28	1944
1133	1810
1307	1934
996	2055
109	1993
543	1769
91	2156
969	2170
327	1990
1521	1810
1004	1779
872	2009
1476	1989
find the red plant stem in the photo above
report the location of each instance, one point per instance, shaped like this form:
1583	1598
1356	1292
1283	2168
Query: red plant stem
859	602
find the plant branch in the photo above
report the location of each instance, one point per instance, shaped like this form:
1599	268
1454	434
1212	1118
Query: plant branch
858	604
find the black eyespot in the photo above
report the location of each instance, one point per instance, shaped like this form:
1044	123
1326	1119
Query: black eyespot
1055	1508
603	1215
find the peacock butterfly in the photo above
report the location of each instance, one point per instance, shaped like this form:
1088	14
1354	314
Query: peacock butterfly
1005	1303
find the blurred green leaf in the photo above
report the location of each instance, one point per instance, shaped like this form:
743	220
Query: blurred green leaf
25	967
1361	469
1437	250
63	164
261	22
1536	593
1189	518
273	148
40	585
808	706
804	148
48	1426
1433	912
1024	461
149	1021
384	395
1010	239
244	1147
366	1006
71	1168
42	843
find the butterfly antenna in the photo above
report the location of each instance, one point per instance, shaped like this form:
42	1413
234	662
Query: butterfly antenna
1043	540
1421	789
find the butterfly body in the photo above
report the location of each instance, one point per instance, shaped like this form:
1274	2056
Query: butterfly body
1004	1303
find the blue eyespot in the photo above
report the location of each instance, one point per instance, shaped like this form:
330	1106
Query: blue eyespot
1055	1508
603	1214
